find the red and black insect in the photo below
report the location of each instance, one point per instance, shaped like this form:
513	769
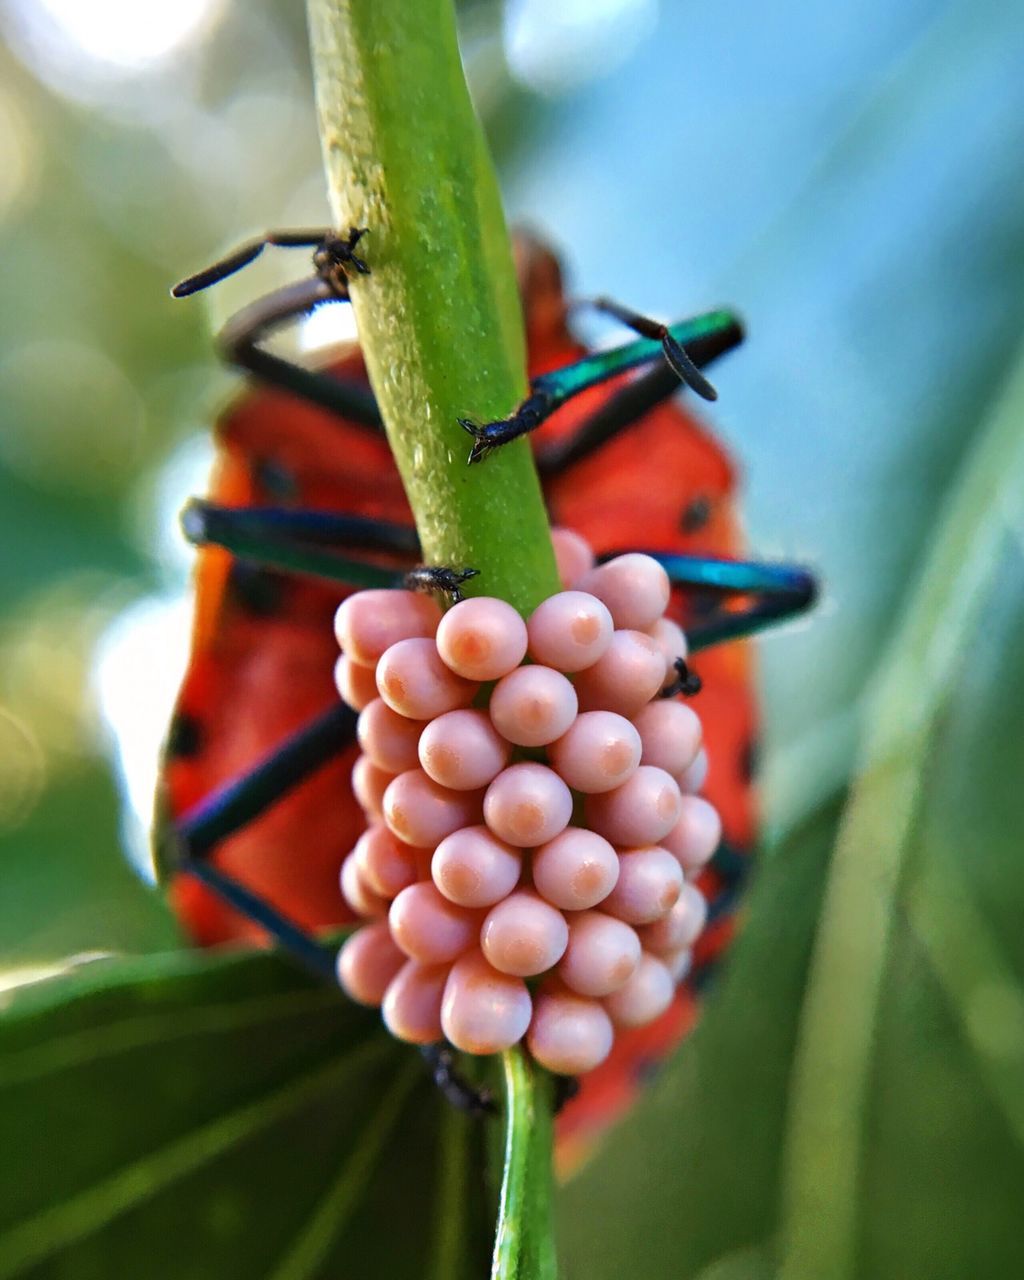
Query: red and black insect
306	506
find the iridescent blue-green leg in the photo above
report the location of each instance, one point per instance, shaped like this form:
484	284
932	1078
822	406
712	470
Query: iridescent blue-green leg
784	590
618	414
700	339
304	542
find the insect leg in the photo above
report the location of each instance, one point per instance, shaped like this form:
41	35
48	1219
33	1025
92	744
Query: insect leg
440	1060
447	582
320	960
687	682
305	541
239	343
630	404
675	353
299	542
244	254
206	522
614	417
234	805
701	338
784	591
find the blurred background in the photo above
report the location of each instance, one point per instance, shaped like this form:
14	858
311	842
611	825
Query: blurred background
847	176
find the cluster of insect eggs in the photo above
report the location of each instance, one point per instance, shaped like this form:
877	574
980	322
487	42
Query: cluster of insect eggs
473	876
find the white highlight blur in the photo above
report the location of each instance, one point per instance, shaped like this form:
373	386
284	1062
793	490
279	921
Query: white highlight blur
553	48
122	36
331	325
139	664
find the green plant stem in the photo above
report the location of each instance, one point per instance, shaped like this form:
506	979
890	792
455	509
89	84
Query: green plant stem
524	1240
439	318
440	327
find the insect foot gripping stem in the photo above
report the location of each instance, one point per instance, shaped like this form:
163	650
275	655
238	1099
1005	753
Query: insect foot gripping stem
445	581
492	435
332	257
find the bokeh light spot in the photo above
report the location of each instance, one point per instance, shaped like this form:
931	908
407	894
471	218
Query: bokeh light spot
139	664
555	48
19	167
121	35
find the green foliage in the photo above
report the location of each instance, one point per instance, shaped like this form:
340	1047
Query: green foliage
191	1116
852	1107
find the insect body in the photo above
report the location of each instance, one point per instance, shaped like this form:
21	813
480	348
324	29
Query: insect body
307	505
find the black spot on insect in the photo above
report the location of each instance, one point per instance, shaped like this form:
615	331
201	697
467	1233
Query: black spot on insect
702	604
750	759
184	737
566	1088
647	1070
257	591
274	480
695	514
731	864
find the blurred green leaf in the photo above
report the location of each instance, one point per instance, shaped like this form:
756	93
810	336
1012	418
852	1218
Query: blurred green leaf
693	1172
68	887
857	1109
894	1086
196	1116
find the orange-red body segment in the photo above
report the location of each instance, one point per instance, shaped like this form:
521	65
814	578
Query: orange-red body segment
257	676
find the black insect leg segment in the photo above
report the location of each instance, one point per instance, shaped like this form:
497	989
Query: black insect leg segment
238	803
440	1060
333	253
233	807
319	960
700	340
678	359
244	254
687	682
535	410
446	582
208	522
240	344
